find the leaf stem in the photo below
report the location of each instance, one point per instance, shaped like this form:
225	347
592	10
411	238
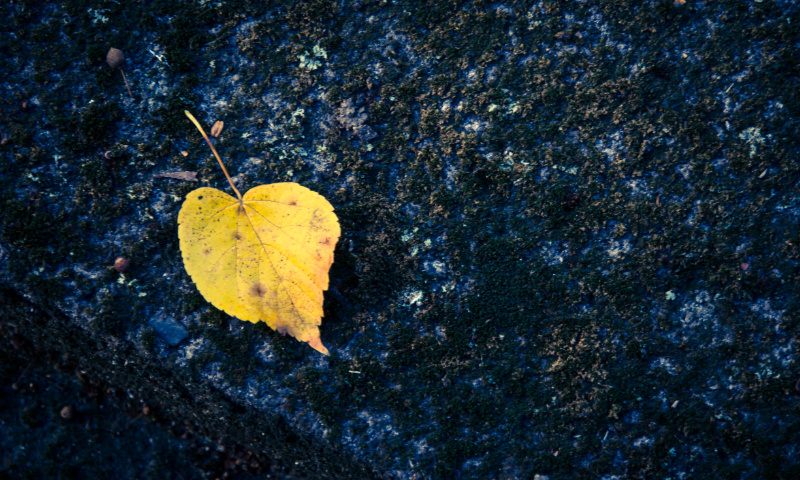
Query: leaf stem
224	170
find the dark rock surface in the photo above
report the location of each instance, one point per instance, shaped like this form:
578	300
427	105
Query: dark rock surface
58	423
570	232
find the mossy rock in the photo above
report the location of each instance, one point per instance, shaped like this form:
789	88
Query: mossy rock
569	249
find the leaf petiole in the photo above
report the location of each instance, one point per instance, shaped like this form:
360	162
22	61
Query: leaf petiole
208	141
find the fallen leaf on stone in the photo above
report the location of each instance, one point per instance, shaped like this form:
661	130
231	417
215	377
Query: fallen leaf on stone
262	256
188	176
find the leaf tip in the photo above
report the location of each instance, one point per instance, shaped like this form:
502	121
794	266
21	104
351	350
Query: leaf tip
317	345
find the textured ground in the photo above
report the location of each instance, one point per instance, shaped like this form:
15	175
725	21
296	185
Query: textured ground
570	230
55	422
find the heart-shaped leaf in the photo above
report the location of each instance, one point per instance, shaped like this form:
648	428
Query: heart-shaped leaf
263	256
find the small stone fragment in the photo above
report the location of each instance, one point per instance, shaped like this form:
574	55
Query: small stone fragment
66	412
122	264
217	128
170	330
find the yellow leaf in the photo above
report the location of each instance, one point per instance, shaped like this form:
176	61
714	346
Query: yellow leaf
263	256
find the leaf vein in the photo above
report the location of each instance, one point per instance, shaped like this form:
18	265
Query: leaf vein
282	281
215	214
273	224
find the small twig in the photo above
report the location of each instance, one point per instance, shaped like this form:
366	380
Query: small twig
22	374
126	82
137	417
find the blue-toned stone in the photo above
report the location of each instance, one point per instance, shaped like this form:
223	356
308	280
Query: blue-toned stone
171	331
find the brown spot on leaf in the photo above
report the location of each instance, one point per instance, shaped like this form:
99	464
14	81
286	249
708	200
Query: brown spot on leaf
258	289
